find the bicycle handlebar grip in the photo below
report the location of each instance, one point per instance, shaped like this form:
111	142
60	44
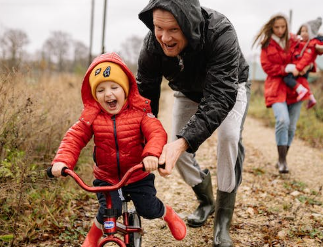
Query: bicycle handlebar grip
50	174
159	166
162	166
63	173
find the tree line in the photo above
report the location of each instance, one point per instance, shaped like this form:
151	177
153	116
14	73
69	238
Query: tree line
59	53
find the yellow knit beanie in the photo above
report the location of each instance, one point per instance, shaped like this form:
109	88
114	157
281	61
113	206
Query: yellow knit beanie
108	71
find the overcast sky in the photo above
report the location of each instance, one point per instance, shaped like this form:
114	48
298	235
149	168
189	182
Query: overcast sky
38	18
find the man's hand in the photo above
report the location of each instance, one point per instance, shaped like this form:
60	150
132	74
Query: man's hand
57	168
170	154
150	163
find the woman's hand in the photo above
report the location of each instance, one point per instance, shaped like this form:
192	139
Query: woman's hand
295	72
319	49
308	67
57	168
150	163
290	68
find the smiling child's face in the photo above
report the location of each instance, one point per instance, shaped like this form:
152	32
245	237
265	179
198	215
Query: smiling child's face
110	96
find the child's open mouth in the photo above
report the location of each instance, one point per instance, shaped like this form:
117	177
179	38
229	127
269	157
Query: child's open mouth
112	103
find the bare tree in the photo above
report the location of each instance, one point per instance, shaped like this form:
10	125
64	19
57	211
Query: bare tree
57	49
12	43
130	50
81	52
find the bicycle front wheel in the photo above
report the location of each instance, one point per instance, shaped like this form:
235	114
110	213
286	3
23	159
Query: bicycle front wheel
135	238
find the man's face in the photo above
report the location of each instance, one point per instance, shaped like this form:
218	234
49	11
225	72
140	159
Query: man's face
168	33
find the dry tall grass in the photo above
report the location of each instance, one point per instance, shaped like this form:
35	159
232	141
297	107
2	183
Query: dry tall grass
34	115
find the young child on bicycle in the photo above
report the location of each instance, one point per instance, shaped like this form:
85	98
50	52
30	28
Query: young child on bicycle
126	133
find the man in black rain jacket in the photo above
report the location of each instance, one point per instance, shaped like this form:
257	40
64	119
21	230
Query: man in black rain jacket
196	49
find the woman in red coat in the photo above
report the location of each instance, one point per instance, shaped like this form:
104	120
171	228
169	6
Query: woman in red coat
277	47
125	133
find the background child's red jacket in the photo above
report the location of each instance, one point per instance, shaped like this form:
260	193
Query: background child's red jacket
308	56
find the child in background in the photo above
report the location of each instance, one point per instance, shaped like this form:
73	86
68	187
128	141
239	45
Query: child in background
125	134
313	42
304	59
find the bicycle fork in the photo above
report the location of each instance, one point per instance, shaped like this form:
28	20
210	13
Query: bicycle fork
111	226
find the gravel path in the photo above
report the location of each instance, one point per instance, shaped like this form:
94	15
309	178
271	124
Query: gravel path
269	208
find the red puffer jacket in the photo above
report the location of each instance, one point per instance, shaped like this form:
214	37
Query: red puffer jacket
309	54
122	140
273	61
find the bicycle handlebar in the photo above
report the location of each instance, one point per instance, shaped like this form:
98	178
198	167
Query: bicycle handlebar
67	172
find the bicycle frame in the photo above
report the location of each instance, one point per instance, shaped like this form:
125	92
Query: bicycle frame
111	226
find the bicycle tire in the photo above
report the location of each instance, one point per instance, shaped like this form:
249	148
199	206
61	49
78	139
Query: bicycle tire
135	238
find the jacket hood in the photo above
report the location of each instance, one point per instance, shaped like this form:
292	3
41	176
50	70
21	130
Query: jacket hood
92	107
313	27
187	13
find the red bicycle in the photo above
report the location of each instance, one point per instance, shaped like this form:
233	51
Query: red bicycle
130	225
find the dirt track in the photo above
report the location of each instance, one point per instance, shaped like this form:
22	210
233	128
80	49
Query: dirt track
269	208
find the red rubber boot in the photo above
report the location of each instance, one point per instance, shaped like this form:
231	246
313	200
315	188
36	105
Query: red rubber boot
93	237
175	224
311	102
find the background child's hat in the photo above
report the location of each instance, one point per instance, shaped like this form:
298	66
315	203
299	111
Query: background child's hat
313	27
108	71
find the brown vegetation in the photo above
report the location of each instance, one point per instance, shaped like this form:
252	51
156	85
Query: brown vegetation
34	114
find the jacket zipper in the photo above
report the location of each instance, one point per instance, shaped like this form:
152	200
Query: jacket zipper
117	146
180	62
